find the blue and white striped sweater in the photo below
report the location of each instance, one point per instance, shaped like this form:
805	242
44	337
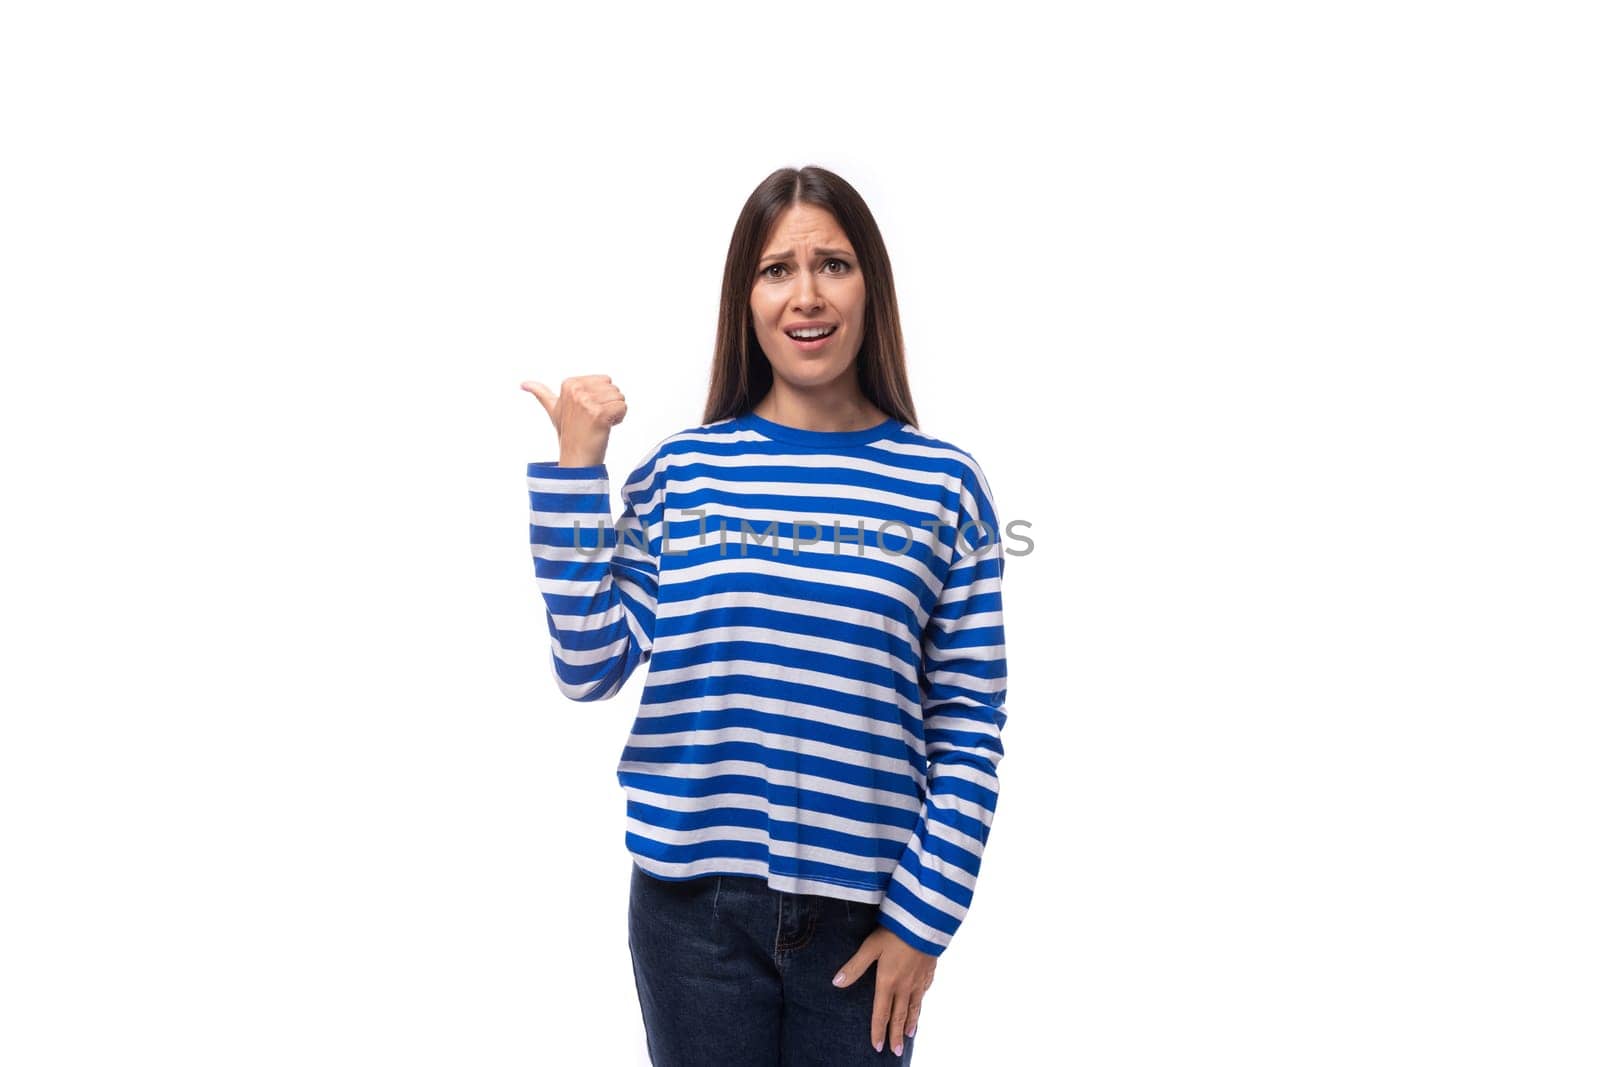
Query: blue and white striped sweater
823	707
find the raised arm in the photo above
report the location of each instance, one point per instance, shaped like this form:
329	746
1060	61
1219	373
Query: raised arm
598	578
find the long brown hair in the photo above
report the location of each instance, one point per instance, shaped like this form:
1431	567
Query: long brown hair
741	374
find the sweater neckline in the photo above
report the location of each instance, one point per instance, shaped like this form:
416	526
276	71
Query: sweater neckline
818	438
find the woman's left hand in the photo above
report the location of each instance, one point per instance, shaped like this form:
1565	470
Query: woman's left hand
904	975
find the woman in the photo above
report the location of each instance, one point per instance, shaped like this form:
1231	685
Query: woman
815	583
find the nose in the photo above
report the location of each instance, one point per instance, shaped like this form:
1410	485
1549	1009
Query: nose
806	297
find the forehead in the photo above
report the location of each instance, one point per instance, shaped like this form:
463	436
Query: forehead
806	224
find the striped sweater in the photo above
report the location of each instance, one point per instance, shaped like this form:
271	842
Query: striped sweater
820	612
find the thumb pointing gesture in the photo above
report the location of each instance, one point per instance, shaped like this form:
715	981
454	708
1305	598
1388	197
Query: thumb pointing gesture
583	414
544	395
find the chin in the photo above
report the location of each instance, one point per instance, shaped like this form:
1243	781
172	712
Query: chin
814	374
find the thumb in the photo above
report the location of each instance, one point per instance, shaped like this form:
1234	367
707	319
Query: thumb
544	395
857	966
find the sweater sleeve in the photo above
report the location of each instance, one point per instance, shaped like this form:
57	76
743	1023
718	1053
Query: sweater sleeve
963	687
598	579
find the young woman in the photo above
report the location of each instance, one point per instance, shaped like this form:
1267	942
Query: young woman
815	583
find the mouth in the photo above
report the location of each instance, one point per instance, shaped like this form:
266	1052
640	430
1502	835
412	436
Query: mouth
806	340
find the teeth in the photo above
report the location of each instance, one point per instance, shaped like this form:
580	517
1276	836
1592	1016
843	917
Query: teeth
810	333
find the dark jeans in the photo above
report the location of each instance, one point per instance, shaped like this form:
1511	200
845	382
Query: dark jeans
732	973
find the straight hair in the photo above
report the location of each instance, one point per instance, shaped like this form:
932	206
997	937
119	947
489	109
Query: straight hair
741	374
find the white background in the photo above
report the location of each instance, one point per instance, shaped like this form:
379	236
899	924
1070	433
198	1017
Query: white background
1276	321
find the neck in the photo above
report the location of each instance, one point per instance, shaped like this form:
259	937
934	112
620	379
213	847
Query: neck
819	410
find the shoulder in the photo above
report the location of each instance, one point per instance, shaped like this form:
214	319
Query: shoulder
978	518
958	460
687	445
694	440
935	443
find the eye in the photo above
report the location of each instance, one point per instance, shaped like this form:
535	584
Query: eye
766	272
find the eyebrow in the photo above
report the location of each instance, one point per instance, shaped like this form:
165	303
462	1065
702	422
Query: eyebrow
821	252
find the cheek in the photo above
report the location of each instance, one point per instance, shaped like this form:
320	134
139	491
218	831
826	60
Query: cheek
858	305
764	316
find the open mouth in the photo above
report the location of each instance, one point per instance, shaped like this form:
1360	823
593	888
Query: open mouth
812	335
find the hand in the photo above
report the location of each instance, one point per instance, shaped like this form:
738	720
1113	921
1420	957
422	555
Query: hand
589	405
904	975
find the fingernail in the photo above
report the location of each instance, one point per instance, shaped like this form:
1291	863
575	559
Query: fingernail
838	979
877	1046
897	1049
913	1031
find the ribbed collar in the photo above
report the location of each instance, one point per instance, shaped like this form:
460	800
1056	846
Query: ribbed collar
817	438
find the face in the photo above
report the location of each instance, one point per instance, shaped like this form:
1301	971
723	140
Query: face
809	273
